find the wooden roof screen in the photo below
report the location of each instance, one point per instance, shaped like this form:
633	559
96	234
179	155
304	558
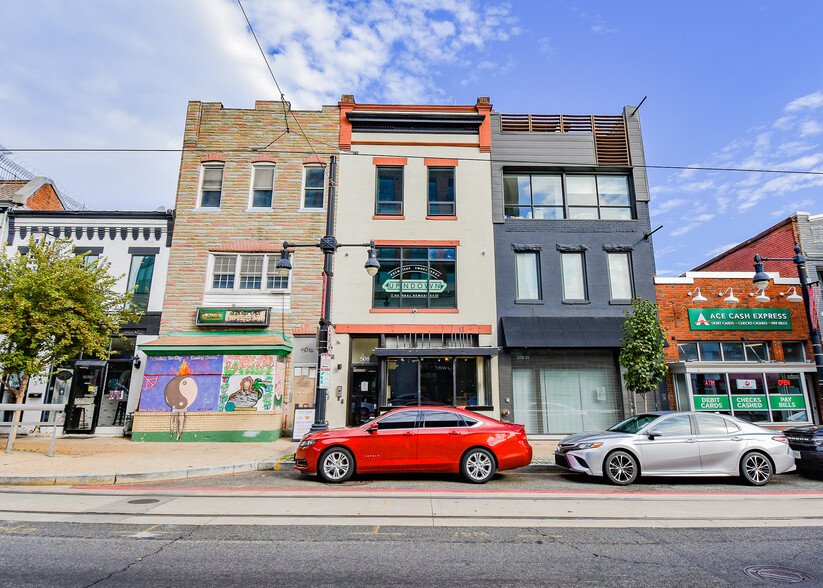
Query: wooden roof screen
611	145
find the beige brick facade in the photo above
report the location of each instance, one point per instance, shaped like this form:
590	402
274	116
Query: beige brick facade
239	138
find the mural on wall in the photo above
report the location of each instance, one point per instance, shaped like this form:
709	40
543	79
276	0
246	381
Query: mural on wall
209	383
249	382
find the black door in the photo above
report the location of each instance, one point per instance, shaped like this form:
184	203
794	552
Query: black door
86	394
363	396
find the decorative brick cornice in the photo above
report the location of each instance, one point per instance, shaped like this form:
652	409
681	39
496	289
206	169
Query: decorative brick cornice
314	160
248	246
264	158
214	156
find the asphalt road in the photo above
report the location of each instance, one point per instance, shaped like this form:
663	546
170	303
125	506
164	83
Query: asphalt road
105	555
535	477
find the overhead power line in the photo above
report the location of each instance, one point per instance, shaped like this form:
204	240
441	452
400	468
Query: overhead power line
360	153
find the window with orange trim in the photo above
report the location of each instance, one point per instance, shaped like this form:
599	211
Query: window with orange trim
415	277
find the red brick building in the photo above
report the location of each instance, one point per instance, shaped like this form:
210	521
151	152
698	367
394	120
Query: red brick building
734	351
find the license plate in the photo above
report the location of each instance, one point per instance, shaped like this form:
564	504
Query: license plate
796	454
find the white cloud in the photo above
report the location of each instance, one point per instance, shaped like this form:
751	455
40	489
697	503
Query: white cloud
810	101
809	128
718	250
667	205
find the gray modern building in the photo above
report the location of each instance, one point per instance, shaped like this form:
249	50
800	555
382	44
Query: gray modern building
572	248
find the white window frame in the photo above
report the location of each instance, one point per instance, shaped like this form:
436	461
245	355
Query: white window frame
254	168
237	265
303	187
203	167
518	276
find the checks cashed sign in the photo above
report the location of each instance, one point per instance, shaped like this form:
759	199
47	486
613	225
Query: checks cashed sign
739	319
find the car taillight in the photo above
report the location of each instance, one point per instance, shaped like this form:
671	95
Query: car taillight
780	438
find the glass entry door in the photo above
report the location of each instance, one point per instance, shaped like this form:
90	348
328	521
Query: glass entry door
363	396
86	395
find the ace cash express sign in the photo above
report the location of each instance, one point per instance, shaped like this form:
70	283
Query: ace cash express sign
739	319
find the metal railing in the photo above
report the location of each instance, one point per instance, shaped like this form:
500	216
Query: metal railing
55	408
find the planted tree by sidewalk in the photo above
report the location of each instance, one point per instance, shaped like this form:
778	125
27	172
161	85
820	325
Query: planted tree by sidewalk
53	305
641	349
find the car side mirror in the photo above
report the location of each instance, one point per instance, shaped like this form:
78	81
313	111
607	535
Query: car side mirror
654	433
372	429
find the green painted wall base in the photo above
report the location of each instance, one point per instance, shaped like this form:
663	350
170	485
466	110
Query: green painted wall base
208	436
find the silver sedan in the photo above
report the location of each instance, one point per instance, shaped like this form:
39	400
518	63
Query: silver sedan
678	444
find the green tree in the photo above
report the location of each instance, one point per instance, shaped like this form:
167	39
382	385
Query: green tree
53	305
641	349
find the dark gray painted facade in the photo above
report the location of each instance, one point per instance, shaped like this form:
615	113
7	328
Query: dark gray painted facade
568	152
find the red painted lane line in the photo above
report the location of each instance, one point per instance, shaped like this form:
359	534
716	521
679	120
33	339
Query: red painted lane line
413	490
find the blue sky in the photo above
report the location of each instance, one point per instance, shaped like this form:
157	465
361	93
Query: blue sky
735	84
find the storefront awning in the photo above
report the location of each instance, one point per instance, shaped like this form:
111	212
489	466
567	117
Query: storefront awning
230	342
543	331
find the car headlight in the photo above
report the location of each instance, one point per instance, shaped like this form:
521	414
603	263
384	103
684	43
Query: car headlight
307	442
587	445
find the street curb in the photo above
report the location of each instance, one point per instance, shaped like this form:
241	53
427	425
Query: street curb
112	478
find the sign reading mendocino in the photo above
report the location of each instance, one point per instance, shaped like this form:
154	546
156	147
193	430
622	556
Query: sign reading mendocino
740	319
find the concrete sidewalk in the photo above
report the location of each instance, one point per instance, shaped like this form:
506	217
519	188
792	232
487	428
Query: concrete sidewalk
118	460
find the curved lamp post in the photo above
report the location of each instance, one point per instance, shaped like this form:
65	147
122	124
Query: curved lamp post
328	245
761	279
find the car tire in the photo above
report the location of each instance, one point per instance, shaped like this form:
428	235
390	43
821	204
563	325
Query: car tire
478	465
336	465
621	468
756	469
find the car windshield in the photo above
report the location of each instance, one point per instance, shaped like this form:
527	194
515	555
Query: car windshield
634	424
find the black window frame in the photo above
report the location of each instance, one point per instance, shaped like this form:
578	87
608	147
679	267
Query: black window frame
378	202
565	206
402	261
582	255
430	202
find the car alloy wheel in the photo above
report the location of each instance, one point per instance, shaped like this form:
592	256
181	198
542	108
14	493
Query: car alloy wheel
477	465
756	469
621	468
336	465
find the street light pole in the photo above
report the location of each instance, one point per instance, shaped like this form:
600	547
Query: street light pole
761	280
328	244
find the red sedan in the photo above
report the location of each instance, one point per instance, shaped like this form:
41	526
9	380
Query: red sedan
417	439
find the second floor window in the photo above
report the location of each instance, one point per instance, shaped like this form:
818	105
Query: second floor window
441	191
527	270
211	185
247	273
620	276
389	197
573	268
314	185
415	277
567	196
140	274
262	186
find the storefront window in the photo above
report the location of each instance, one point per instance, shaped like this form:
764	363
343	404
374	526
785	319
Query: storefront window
723	351
757	351
415	277
749	397
438	377
710	392
786	398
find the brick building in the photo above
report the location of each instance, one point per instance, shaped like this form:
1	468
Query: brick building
233	330
731	350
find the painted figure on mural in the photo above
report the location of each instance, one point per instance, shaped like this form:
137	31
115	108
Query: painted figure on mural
248	394
180	394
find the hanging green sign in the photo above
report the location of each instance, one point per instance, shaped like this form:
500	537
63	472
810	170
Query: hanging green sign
787	402
740	319
711	403
750	402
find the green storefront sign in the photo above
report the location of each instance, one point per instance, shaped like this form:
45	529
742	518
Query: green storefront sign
711	403
749	402
787	402
739	319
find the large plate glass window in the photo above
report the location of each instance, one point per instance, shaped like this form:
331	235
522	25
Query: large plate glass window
441	191
314	184
389	197
573	269
749	397
439	381
527	270
786	398
211	185
262	185
560	195
415	277
620	276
